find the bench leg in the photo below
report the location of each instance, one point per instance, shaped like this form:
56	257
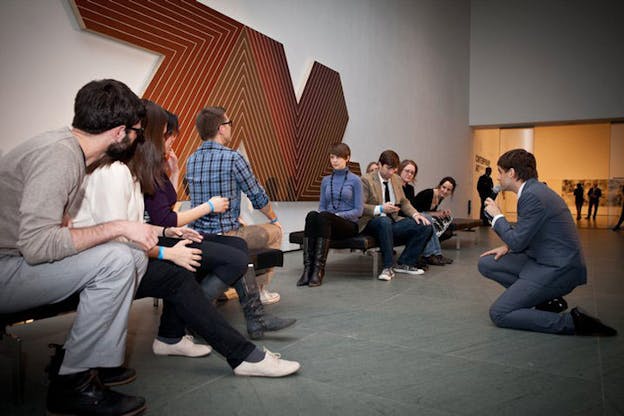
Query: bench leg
14	346
457	242
376	256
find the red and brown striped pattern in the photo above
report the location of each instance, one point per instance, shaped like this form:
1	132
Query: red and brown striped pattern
210	59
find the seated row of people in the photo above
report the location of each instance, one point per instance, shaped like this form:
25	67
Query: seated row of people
381	204
64	232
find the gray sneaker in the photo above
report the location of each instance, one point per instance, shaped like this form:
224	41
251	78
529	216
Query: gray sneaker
404	268
386	274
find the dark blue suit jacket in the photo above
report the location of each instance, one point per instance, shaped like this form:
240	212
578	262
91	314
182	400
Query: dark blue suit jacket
546	233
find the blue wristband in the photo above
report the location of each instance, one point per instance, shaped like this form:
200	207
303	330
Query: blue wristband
273	221
161	252
381	209
211	206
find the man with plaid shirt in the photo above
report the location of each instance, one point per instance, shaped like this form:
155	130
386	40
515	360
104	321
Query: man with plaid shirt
216	170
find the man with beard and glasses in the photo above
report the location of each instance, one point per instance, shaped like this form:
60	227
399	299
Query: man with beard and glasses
44	261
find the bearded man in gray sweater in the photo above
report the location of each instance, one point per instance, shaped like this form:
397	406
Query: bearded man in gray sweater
43	260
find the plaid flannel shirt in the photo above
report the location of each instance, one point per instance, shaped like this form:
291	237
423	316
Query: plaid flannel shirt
216	170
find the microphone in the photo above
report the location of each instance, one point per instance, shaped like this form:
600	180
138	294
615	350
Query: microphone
495	191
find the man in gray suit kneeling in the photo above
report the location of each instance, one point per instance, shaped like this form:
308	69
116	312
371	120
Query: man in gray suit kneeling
541	259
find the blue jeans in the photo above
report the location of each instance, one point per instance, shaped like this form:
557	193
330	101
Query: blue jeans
404	232
433	247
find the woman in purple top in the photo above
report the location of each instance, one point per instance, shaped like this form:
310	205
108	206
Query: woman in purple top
340	208
159	209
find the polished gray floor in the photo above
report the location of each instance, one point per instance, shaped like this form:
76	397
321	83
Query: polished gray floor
420	345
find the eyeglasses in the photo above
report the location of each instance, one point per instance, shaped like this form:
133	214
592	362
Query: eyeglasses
411	172
138	130
230	121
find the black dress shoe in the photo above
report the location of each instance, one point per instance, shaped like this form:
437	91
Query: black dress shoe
116	376
555	305
434	261
83	394
590	326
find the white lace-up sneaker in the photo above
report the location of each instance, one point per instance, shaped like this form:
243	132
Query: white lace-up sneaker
269	298
186	347
386	274
404	268
271	366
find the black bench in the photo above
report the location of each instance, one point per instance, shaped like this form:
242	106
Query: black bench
363	243
260	259
366	243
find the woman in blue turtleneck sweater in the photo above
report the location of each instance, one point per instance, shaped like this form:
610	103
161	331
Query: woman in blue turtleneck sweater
340	208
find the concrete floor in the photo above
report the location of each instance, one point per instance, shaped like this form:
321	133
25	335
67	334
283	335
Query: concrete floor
420	345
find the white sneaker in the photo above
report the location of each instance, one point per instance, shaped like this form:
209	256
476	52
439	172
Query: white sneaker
271	366
269	298
186	347
386	274
404	268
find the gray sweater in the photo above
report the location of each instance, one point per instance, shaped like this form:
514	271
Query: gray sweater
39	180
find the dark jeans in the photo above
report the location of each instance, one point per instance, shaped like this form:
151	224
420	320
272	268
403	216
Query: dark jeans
484	219
579	208
178	287
406	231
593	204
224	256
327	225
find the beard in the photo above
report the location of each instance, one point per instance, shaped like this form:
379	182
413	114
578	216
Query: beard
121	150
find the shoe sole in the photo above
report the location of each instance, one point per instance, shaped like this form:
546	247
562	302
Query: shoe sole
268	376
270	302
413	273
384	279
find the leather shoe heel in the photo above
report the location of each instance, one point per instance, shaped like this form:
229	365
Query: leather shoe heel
83	394
555	305
590	326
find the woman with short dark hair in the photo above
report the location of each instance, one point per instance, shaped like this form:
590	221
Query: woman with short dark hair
340	208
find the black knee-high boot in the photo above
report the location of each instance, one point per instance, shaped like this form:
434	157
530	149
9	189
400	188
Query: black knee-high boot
258	320
321	248
308	258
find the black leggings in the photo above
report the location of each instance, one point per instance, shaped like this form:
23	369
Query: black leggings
327	225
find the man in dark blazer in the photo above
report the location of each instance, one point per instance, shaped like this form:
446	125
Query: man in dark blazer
383	195
541	259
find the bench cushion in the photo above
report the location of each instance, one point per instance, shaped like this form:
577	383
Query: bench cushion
359	242
41	312
265	258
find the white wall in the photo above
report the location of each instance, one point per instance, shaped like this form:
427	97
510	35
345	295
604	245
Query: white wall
535	60
404	67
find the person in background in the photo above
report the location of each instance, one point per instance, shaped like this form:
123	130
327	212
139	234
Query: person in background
428	202
541	259
383	197
159	209
339	210
484	187
579	198
618	226
372	166
215	169
594	195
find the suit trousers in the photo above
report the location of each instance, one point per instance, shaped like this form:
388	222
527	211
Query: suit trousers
180	289
406	231
105	276
515	307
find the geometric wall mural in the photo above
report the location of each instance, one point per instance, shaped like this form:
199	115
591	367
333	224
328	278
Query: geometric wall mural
211	59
